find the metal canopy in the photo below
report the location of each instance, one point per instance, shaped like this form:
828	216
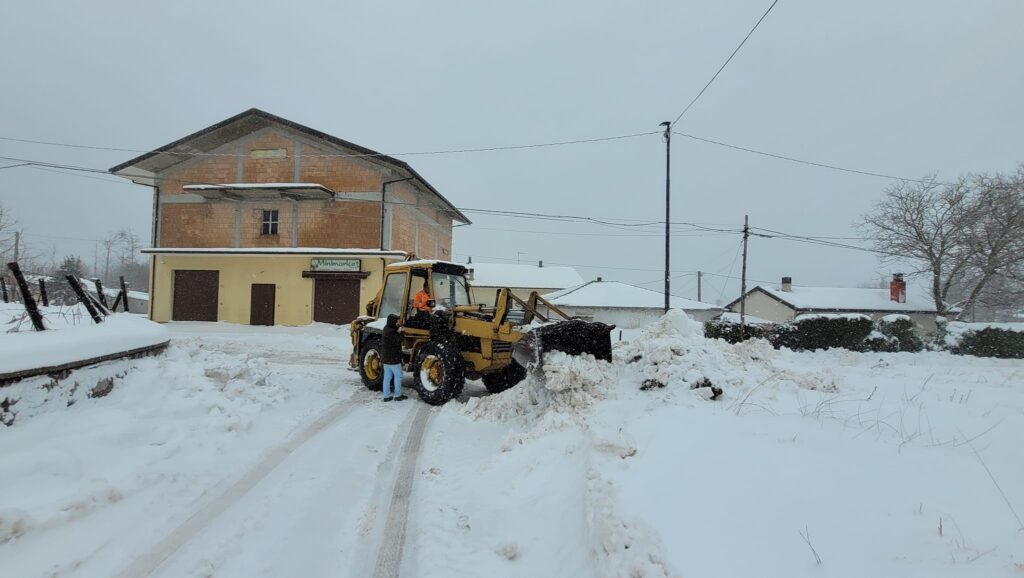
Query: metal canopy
261	191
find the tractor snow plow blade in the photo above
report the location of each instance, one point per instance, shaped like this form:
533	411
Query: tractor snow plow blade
573	337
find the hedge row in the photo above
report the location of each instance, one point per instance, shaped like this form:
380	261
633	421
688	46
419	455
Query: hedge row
855	332
991	342
858	333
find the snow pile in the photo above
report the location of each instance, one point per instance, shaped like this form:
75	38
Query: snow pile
672	352
561	395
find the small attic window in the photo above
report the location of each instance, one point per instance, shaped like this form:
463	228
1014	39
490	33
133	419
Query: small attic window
268	153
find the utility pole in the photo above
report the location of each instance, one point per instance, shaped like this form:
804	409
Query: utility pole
668	172
699	275
743	279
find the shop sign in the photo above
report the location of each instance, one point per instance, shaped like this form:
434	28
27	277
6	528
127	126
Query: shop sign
335	265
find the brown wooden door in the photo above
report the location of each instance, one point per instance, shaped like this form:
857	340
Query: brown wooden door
335	300
195	295
261	308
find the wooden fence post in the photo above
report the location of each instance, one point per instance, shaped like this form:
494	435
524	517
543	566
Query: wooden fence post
99	292
26	295
84	298
42	293
124	291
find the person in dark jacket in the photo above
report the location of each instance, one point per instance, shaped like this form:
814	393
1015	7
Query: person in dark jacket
391	358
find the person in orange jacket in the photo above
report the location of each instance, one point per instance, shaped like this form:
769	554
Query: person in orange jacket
421	302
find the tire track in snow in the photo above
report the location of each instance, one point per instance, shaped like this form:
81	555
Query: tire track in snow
146	564
389	557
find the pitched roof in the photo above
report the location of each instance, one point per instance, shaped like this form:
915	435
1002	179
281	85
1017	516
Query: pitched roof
614	294
244	123
523	276
843	299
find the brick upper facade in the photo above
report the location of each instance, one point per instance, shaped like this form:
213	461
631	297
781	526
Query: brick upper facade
256	147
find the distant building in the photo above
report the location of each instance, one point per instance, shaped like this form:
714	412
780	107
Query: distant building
788	301
487	278
261	220
626	306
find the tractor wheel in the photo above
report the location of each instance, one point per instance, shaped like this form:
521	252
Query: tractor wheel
499	381
440	373
371	369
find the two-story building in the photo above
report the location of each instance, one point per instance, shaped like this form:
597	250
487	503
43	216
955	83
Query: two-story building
261	220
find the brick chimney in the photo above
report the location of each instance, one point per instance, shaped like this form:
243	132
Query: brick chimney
787	284
599	280
540	263
898	288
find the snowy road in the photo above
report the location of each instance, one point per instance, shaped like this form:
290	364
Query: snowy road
313	481
247	452
314	501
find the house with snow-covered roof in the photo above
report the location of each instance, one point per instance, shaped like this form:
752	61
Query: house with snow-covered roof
626	306
522	279
786	302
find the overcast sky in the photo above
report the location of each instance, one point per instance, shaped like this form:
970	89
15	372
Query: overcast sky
904	88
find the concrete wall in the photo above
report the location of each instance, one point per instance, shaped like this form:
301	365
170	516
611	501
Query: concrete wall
294	294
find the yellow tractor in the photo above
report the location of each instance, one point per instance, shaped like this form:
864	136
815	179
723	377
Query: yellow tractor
460	339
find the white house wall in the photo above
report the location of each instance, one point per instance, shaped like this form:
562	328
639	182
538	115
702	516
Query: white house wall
631	318
763	306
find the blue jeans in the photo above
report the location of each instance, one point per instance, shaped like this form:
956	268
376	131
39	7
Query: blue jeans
392	374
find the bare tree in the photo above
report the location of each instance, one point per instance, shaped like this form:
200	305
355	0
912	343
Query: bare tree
924	223
995	242
964	234
7	237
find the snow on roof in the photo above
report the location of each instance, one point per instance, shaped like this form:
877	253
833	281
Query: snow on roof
730	317
847	299
90	286
523	276
620	295
274	251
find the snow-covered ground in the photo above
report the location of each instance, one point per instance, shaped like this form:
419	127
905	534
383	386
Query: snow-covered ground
249	451
70	336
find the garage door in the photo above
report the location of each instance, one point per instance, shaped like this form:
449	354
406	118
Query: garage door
195	295
335	300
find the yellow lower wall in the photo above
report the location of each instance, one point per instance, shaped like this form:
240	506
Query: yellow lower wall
294	294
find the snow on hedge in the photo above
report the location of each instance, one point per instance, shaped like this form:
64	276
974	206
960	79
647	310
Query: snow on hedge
71	336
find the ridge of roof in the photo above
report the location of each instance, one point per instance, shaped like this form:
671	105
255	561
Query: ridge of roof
301	128
568	290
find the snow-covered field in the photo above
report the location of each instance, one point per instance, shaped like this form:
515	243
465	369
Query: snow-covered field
70	336
254	452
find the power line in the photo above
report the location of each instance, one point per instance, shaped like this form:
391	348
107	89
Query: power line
347	155
805	162
685	233
726	63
